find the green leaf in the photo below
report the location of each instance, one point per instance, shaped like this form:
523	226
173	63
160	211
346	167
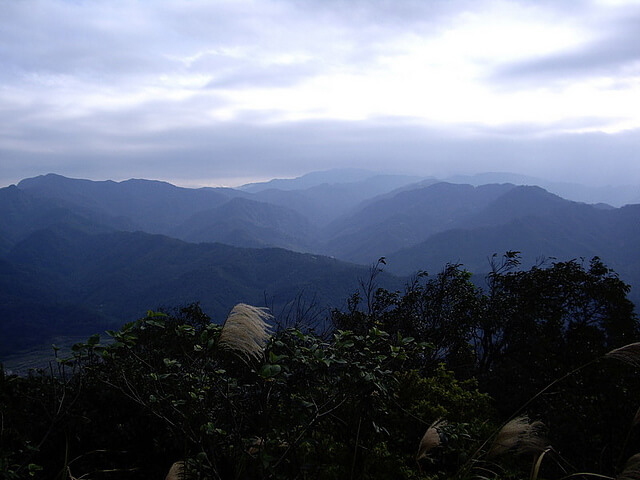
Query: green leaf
269	370
156	323
171	363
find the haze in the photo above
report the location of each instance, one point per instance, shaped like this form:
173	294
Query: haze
227	92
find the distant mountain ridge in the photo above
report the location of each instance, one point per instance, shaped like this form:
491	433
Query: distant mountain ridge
332	177
617	196
559	229
371	224
95	253
355	221
147	205
325	196
248	223
410	215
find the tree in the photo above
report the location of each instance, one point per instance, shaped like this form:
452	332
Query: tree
527	329
239	401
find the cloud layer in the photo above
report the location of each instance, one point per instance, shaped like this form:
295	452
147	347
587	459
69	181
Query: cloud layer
220	92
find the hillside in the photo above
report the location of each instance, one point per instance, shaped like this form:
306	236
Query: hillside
248	223
146	205
393	222
618	195
77	254
325	202
58	278
577	231
22	214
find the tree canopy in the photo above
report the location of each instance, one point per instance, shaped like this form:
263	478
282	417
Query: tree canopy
444	379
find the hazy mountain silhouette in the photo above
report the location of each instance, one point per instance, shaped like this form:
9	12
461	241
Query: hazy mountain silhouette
146	205
204	214
324	202
22	214
540	225
618	195
247	223
407	218
78	255
331	177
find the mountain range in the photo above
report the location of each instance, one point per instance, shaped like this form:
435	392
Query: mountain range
79	255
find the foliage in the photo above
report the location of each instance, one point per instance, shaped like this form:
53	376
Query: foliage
354	403
163	390
524	331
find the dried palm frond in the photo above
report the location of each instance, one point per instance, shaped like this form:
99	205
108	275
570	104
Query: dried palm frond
520	435
628	354
631	469
431	439
246	331
176	472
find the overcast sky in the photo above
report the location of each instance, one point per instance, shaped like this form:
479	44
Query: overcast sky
223	92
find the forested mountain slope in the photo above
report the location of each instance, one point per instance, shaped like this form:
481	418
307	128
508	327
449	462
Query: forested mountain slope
247	223
406	218
60	277
69	254
146	205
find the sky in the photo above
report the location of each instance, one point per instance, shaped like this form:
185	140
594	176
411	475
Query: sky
225	92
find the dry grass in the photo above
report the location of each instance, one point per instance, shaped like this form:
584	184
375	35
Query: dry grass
520	435
246	331
631	469
628	354
430	439
176	472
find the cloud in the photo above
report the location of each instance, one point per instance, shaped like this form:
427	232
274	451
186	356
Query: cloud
218	155
614	51
232	88
94	39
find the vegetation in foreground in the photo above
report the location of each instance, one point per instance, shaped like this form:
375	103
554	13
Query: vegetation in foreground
443	380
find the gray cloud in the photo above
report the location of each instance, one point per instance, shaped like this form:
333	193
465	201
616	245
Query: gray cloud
241	150
615	51
58	55
251	75
60	37
120	38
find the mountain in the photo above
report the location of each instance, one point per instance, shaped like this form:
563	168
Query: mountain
495	177
372	221
22	214
326	201
313	179
81	256
618	195
247	223
159	207
528	201
199	215
540	225
429	226
407	218
147	205
58	278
